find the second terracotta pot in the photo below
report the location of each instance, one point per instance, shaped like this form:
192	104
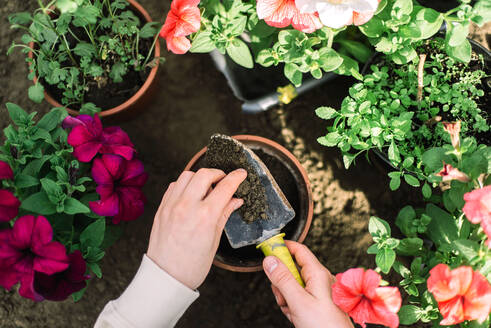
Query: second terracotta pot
293	181
140	99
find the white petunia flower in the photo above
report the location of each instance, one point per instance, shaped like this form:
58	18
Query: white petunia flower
339	13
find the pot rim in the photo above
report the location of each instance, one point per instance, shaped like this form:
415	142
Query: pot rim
305	178
143	89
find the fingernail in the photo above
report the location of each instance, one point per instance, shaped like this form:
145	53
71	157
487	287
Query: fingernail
242	171
238	204
270	263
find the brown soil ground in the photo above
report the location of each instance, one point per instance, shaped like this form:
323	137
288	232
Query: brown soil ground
195	102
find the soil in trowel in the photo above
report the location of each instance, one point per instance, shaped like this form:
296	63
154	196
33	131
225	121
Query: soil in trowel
227	154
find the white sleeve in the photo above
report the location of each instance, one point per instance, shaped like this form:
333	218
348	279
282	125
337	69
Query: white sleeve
154	299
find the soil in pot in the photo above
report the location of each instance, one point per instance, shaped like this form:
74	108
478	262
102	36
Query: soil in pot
249	255
227	155
103	91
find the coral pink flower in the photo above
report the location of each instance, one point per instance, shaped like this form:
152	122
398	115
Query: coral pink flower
119	185
453	130
281	13
59	286
357	293
183	19
449	173
5	171
339	13
462	294
9	206
477	209
26	248
89	138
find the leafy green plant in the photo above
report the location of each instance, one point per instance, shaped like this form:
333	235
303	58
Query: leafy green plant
83	45
384	113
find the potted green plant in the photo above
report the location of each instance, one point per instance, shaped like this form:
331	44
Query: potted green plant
293	181
67	184
80	52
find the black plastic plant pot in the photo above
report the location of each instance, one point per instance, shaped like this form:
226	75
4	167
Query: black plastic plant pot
293	181
257	87
440	5
476	47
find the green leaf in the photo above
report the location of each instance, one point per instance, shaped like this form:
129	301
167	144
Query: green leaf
372	249
293	73
117	72
426	191
326	113
461	52
394	155
395	182
429	22
85	49
240	53
443	227
67	6
52	119
52	189
21	18
433	158
25	181
73	206
95	268
38	203
329	59
17	114
405	219
89	109
409	246
93	235
86	15
483	8
202	43
378	227
112	234
467	248
457	34
330	140
36	93
149	30
78	295
385	259
411	180
409	314
356	49
348	160
374	28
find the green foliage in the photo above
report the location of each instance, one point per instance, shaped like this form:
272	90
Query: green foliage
383	113
81	45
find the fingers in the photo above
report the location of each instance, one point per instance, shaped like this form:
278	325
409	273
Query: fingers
315	275
279	275
201	182
180	185
225	189
232	206
280	300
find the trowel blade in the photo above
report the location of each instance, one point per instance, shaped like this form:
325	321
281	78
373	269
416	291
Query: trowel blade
279	211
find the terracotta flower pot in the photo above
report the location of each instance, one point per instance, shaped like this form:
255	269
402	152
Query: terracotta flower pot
294	183
138	101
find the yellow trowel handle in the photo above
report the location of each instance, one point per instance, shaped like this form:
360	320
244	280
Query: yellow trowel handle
276	246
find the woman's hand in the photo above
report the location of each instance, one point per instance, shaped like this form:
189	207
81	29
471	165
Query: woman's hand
311	307
189	222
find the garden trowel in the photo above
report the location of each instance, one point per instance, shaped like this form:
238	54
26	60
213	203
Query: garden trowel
265	233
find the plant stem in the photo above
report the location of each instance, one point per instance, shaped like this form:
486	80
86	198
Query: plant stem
151	49
421	67
330	39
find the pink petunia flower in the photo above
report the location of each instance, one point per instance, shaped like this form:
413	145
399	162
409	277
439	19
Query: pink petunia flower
282	13
449	173
477	209
9	206
453	129
27	248
89	138
119	185
184	18
5	171
462	294
59	286
357	293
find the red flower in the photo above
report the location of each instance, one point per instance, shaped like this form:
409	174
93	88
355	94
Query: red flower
281	13
462	294
477	209
5	171
449	173
9	206
89	138
183	19
26	248
59	286
119	185
357	293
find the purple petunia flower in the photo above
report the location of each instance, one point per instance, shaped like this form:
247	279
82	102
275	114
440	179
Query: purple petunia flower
58	286
88	138
119	185
9	206
27	248
5	171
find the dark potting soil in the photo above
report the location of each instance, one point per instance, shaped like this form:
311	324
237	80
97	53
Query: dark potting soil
102	91
226	154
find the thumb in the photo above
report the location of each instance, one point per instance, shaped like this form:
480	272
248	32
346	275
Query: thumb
281	278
